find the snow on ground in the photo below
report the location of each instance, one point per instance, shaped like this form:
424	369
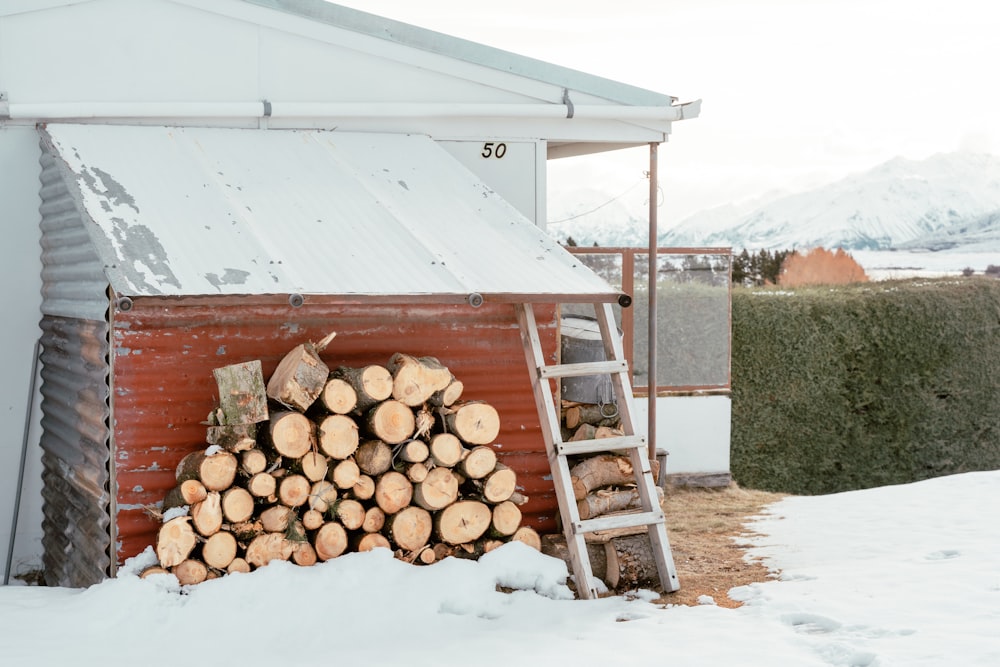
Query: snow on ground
904	575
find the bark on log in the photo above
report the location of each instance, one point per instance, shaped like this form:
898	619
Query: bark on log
242	398
330	540
605	501
555	545
299	378
409	528
219	550
519	498
206	516
350	513
393	492
237	505
262	485
321	496
292	434
390	421
175	541
253	461
479	462
217	472
463	521
268	547
588	413
345	474
599	471
591	432
445	449
414	380
246	531
190	572
437	491
232	437
506	519
338	436
630	562
338	396
372	384
474	422
364	488
369	541
293	490
529	536
373	457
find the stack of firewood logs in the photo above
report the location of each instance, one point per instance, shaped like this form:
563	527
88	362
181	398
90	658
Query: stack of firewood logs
319	461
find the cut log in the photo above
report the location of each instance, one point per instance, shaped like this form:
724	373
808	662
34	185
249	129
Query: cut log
312	519
277	518
238	565
373	457
371	384
175	541
518	498
246	531
499	485
374	520
414	380
217	472
605	501
262	485
313	466
393	492
364	488
369	541
415	472
338	436
350	513
268	547
292	434
304	554
232	437
190	572
219	550
437	491
338	396
390	421
188	493
474	422
321	496
475	550
587	413
479	462
463	521
412	451
630	562
445	449
529	536
237	505
299	378
506	519
242	398
599	471
153	569
410	528
253	461
591	432
330	540
293	490
447	396
345	474
206	516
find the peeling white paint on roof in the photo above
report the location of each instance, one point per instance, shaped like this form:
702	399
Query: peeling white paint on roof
202	211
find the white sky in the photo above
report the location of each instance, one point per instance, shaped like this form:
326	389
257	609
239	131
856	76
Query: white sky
795	92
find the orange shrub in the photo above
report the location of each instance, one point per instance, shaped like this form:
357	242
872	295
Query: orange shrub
820	266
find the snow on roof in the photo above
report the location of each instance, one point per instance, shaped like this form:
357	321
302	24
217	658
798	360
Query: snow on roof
204	211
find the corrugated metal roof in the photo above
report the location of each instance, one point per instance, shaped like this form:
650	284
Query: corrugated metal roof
204	211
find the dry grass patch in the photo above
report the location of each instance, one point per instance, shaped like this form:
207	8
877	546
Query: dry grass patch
701	524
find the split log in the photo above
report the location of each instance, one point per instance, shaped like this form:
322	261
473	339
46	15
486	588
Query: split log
350	513
409	528
217	472
605	501
599	471
232	437
242	397
207	515
445	449
499	485
238	565
262	485
414	380
312	519
591	432
587	413
479	462
393	492
474	422
463	521
175	541
412	451
369	541
304	554
268	547
237	505
321	496
529	536
364	488
415	472
188	493
190	572
292	434
219	550
330	540
372	384
437	491
447	396
338	396
253	461
345	474
277	519
390	421
373	457
299	378
506	519
313	466
338	436
374	520
293	490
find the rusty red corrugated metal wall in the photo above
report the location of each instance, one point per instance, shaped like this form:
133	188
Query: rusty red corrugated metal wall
164	351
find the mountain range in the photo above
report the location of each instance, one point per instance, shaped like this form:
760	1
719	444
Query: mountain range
947	201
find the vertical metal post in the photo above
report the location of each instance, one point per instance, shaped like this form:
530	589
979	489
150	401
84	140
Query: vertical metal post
23	461
651	335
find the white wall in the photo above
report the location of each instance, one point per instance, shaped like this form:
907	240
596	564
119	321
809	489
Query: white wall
20	269
693	429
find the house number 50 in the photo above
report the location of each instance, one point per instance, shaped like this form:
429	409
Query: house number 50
495	150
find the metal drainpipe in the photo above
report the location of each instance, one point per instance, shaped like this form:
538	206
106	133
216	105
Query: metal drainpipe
651	334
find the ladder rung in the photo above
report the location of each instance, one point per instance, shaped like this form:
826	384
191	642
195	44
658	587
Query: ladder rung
613	521
588	368
600	445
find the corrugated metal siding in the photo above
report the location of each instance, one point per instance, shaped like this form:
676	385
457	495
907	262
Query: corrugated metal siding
75	451
165	350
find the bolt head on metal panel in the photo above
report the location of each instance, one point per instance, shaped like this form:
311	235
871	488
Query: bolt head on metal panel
124	304
475	299
296	300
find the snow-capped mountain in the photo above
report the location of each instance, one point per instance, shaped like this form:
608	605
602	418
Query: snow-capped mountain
895	203
980	234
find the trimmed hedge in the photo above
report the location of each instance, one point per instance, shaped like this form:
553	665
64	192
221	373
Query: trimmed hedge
843	388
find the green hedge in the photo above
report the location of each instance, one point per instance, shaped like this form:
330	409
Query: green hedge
844	388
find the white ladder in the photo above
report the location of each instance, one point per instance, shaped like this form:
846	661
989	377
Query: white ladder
650	515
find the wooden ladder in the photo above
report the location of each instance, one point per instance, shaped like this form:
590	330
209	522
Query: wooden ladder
650	514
